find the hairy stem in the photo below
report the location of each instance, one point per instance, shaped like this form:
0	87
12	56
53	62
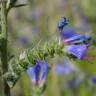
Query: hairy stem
3	47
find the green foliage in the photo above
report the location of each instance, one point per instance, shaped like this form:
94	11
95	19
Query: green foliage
19	65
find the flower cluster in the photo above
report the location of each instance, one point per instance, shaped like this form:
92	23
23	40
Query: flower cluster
77	44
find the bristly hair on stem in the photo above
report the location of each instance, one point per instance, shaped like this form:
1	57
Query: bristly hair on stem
17	66
3	47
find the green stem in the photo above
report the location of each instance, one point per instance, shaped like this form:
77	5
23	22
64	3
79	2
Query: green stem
36	91
3	47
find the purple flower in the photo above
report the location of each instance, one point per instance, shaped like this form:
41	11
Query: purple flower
80	40
93	79
75	82
65	69
62	23
70	36
38	73
68	33
24	40
78	51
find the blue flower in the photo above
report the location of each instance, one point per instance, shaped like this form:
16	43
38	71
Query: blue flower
78	51
62	23
79	40
65	69
75	82
93	79
38	73
68	33
24	40
69	36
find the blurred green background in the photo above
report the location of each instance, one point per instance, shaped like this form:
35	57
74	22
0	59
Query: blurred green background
38	21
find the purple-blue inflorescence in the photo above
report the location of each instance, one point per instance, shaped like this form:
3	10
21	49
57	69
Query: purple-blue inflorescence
78	43
38	73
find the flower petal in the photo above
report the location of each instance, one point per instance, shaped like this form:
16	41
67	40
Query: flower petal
70	36
78	51
32	75
43	73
